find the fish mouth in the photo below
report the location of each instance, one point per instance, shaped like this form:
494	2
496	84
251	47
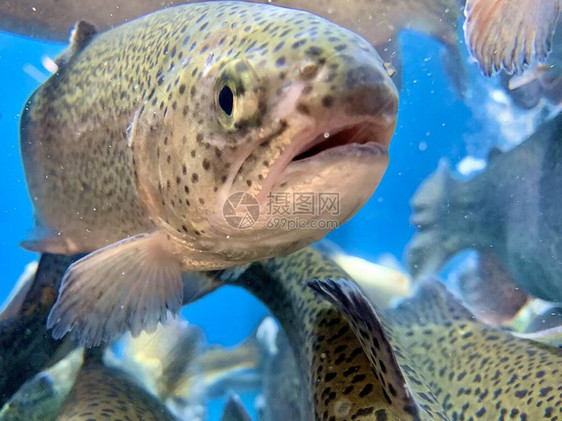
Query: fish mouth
363	140
362	133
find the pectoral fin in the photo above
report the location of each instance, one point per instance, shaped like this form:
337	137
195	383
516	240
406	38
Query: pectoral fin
509	34
44	240
128	285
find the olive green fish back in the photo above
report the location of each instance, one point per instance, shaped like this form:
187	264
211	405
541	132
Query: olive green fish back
385	354
103	393
473	369
340	381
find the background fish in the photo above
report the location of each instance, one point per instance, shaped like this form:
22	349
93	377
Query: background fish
282	387
379	21
26	347
539	83
472	370
489	292
338	379
159	172
509	34
40	398
381	283
102	393
509	210
176	364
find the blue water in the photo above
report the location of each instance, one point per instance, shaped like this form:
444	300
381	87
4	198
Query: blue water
431	124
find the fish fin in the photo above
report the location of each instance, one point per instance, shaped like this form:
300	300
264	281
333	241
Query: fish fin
363	319
551	336
44	240
431	211
509	34
234	410
128	285
80	35
527	77
431	303
185	342
493	153
265	336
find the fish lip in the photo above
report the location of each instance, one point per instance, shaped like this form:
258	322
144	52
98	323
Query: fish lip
373	136
363	132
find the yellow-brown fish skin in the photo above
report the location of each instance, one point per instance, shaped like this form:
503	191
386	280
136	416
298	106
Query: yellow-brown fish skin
146	130
474	369
77	127
429	353
470	369
102	393
336	376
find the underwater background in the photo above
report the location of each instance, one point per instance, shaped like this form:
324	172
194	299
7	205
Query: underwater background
433	124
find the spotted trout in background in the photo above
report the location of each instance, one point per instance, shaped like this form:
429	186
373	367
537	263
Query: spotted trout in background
511	211
426	359
134	147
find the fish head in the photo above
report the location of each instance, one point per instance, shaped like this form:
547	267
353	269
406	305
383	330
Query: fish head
280	135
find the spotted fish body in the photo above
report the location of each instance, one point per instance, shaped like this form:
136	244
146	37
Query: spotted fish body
337	378
468	369
475	370
147	130
378	21
429	358
102	393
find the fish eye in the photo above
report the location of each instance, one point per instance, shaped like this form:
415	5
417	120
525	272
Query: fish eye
226	100
239	96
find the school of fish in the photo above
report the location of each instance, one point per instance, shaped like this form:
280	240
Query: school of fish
227	104
152	154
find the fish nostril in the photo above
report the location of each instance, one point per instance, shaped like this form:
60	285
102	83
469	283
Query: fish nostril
308	69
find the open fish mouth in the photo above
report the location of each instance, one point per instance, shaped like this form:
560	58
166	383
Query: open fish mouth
337	141
313	151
